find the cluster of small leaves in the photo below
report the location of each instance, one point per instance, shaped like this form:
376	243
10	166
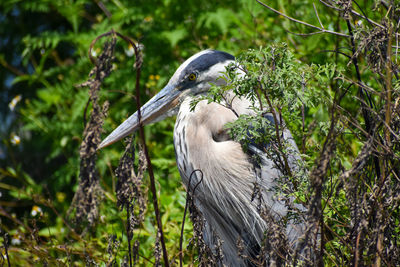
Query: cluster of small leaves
274	81
252	130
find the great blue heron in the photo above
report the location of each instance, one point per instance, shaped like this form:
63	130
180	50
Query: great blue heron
228	175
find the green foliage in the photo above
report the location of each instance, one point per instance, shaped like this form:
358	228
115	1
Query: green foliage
273	79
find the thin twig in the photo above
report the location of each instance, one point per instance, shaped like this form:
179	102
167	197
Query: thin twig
6	240
14	219
357	14
303	139
304	34
286	162
138	63
361	91
388	82
322	30
128	232
316	13
10	67
104	8
93	59
338	52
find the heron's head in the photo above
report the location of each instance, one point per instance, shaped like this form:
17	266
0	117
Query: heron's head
193	77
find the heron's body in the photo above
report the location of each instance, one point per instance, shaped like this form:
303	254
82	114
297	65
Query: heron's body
228	178
207	155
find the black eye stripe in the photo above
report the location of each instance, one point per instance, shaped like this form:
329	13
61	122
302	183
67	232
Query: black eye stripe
206	61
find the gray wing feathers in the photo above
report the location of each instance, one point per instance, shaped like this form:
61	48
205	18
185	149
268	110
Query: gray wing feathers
226	195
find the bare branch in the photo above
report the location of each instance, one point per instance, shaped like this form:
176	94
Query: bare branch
138	63
356	14
101	5
321	30
316	13
304	34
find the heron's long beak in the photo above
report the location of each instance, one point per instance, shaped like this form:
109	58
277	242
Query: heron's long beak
157	106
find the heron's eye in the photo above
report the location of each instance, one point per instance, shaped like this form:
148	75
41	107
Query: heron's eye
192	77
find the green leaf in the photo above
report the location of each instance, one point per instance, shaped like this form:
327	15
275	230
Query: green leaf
174	36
